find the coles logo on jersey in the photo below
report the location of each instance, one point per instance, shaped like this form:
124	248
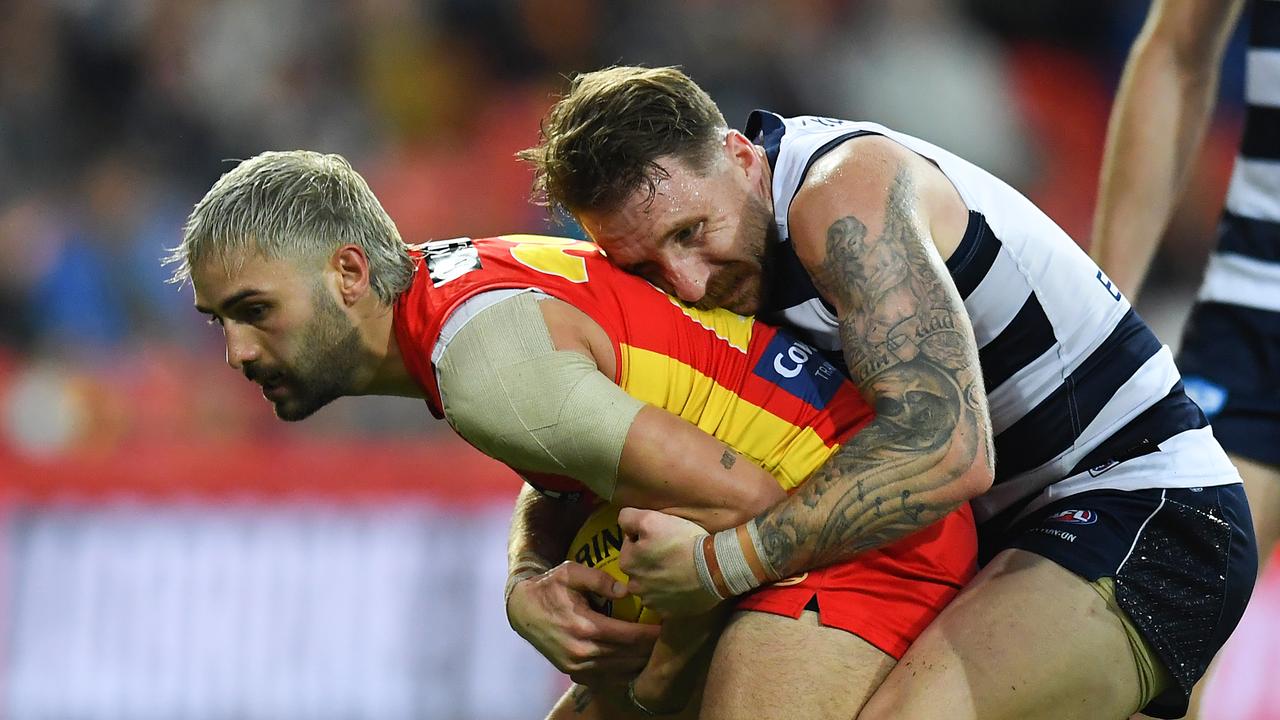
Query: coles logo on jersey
799	370
1076	517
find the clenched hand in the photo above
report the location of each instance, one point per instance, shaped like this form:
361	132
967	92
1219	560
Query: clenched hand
657	555
552	613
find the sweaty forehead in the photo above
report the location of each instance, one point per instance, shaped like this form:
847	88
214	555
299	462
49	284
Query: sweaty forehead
641	222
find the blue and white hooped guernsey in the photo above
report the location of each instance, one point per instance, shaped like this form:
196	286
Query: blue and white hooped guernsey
1245	269
1082	393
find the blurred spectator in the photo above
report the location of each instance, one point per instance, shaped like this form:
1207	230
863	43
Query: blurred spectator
115	115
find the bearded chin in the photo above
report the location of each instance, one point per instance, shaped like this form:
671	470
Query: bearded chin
293	410
327	365
302	403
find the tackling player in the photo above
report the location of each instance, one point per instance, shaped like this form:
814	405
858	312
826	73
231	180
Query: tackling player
983	336
592	384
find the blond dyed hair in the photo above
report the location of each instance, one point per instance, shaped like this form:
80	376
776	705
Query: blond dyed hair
295	204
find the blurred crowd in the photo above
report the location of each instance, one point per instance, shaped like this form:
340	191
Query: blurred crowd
116	116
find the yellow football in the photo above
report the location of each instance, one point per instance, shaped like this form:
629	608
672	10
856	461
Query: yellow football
598	544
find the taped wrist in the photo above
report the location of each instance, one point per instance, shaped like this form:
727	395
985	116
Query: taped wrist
527	565
731	562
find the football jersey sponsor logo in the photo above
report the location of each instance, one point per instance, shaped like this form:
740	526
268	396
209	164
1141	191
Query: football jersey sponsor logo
1076	517
800	370
450	259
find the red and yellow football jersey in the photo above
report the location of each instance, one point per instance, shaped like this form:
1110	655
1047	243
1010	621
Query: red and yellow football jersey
770	397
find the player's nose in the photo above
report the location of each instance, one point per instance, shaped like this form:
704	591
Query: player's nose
241	347
687	279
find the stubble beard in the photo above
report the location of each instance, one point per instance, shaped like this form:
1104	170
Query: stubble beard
326	365
741	288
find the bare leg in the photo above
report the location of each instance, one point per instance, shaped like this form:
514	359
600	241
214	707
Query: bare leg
1025	639
770	666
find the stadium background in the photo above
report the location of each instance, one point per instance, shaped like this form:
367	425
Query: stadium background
167	548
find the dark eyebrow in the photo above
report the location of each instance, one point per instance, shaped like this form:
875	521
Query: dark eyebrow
231	301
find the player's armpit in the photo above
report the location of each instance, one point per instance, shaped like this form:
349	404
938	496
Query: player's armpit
669	464
861	227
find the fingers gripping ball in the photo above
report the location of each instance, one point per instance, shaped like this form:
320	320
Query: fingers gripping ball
598	544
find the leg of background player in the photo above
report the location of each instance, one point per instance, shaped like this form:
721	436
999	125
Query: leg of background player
771	666
1262	486
1025	639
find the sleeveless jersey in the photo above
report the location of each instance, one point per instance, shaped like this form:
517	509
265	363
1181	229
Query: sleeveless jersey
772	398
1075	380
1245	269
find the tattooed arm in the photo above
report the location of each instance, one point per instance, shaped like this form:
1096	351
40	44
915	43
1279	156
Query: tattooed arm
870	224
863	225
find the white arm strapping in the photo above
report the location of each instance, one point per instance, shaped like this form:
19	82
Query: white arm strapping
509	392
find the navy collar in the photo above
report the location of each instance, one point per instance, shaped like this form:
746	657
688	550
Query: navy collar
766	129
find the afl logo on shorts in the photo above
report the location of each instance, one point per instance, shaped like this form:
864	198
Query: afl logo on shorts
1076	517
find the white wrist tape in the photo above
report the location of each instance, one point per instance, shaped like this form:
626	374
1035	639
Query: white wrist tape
731	562
704	573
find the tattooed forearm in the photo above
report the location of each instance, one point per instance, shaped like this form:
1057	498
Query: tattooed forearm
909	349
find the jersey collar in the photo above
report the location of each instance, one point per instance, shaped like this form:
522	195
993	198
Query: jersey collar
766	129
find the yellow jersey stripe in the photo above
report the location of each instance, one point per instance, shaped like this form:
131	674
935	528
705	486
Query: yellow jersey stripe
789	452
733	329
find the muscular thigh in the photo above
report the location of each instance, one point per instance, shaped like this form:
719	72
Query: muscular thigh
1025	639
771	666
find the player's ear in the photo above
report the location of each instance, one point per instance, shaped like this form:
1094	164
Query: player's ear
740	150
744	157
352	266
